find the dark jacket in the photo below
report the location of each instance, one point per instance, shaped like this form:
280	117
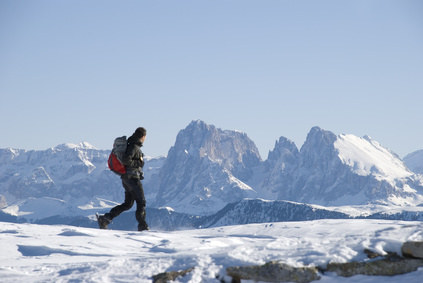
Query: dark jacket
133	159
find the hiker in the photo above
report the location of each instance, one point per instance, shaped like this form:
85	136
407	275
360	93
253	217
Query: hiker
131	181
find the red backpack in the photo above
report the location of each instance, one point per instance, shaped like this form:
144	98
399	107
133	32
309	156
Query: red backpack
115	157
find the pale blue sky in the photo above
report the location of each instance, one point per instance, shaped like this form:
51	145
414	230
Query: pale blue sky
73	71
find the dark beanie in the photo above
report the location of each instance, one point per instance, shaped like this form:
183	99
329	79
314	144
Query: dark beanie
140	132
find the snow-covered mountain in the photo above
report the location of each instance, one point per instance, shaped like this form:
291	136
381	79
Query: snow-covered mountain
209	168
348	170
414	161
76	174
66	171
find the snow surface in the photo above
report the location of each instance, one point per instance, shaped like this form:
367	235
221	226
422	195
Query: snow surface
39	253
367	156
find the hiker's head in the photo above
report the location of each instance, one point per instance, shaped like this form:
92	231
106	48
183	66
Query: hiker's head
140	133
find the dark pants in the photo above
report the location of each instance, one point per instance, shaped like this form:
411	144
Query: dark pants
133	192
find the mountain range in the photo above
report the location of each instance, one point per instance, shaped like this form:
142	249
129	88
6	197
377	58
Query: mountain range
210	175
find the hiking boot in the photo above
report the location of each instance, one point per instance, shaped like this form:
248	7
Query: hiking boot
143	228
103	221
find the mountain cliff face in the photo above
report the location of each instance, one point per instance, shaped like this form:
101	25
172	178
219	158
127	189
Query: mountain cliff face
206	169
279	168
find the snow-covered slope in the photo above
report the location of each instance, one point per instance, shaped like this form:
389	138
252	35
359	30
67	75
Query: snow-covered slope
39	253
367	157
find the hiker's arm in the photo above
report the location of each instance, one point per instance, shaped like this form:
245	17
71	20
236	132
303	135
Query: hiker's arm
128	158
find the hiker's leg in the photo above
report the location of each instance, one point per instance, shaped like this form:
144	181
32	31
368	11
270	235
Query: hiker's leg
126	205
140	215
140	212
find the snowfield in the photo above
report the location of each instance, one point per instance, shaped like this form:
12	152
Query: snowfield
367	156
47	253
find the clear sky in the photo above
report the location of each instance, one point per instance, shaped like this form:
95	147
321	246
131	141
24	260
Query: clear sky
73	70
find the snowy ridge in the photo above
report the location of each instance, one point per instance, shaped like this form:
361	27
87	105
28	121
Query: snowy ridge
367	156
250	211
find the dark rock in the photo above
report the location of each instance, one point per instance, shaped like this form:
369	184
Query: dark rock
412	249
385	267
371	254
170	276
273	272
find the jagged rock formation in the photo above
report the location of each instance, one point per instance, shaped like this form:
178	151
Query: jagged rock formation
206	169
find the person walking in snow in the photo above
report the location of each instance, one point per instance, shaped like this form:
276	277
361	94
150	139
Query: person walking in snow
131	181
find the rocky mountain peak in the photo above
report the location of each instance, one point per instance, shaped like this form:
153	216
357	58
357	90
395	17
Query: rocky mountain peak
206	167
284	148
231	149
318	138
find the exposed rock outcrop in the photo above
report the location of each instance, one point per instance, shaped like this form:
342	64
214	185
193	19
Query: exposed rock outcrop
170	276
383	267
412	249
273	271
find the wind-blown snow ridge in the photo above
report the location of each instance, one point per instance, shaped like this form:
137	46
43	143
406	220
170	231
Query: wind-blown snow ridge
82	145
367	156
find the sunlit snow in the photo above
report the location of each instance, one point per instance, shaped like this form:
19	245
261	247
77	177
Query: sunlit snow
38	253
367	156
